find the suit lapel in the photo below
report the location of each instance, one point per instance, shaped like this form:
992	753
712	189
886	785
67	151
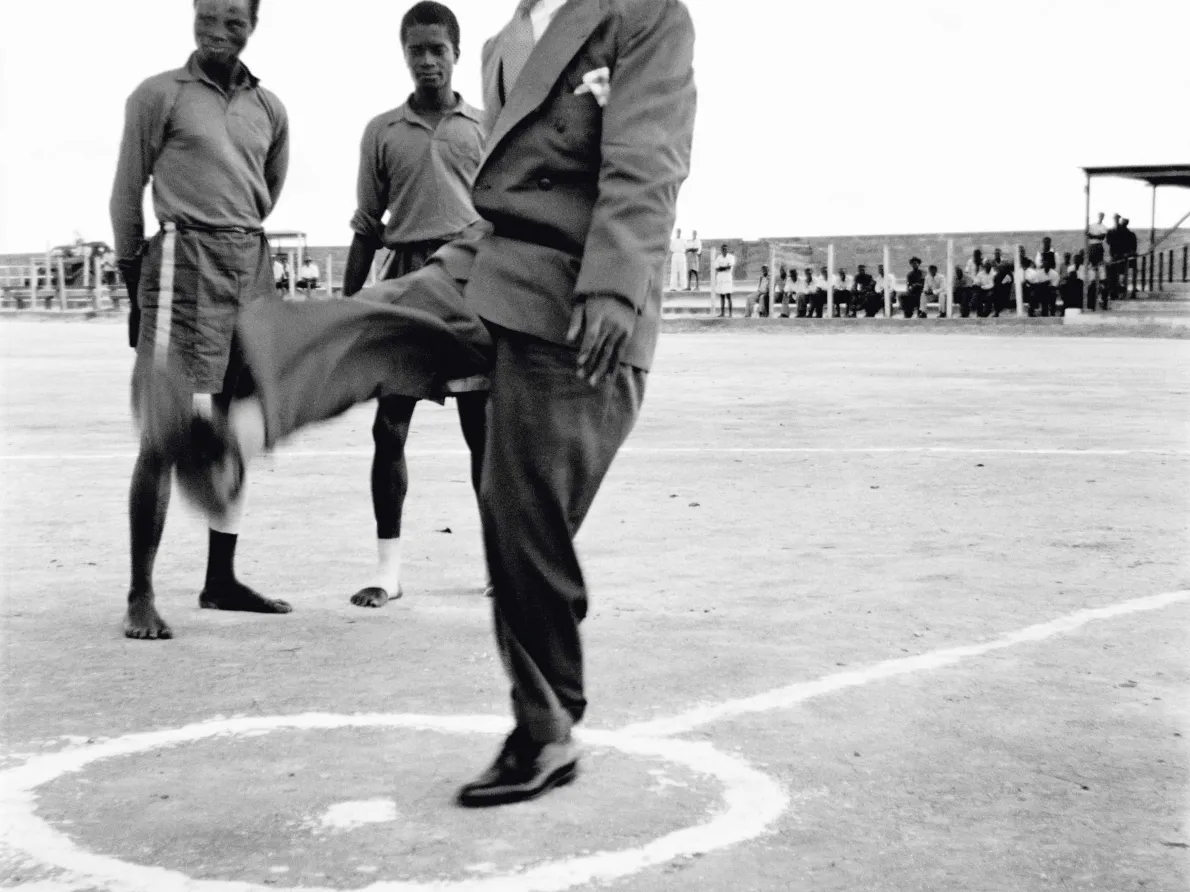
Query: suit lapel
490	66
570	29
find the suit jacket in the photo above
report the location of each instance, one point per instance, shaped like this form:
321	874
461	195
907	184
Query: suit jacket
580	200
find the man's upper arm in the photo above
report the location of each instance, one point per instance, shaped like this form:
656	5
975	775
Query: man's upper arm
648	128
276	166
139	146
371	188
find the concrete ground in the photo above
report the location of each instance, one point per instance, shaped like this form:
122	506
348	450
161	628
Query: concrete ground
788	563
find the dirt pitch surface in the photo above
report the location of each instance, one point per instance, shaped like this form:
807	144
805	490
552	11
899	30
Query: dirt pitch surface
869	613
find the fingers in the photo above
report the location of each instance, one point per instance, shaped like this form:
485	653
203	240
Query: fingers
603	360
593	336
577	315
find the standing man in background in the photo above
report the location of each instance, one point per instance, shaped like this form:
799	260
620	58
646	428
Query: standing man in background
216	146
417	165
1129	246
723	278
677	261
1097	242
693	261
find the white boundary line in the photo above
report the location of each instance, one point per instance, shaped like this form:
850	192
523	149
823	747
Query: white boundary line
663	450
753	802
791	695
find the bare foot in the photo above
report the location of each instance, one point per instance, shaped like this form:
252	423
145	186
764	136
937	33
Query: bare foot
373	596
141	621
235	595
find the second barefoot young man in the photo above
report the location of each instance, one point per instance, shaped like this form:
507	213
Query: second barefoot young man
417	164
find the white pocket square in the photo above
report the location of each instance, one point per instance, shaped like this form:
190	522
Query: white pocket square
598	84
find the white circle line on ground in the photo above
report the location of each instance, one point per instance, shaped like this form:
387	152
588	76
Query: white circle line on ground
791	695
665	450
751	803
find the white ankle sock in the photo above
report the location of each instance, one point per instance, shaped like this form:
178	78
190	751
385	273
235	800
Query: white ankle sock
388	567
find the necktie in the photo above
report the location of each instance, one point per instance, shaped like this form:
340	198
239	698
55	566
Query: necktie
518	44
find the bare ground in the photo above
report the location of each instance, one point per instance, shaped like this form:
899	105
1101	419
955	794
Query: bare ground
788	507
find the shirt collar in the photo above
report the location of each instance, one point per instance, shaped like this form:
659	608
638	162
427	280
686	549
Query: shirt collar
405	112
192	71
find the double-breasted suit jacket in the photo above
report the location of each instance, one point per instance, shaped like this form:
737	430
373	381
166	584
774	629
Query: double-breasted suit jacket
581	198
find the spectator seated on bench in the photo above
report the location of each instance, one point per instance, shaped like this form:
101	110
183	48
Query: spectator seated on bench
844	293
915	284
308	276
758	301
984	299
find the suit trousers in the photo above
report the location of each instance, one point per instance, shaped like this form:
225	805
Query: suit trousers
551	439
309	362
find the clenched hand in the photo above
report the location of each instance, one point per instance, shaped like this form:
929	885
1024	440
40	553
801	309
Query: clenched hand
600	327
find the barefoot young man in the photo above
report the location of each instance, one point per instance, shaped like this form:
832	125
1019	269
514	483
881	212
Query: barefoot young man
417	163
557	296
216	146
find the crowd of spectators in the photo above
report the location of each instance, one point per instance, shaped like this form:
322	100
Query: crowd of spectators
985	286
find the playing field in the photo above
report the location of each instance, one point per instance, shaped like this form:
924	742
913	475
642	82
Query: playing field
870	613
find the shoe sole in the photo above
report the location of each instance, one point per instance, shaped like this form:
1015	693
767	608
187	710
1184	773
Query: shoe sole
559	778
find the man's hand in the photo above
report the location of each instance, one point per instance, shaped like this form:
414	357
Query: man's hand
600	327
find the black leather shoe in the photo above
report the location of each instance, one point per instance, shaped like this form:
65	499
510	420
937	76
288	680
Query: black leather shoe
524	770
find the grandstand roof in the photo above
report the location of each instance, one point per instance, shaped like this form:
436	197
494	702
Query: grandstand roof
1153	174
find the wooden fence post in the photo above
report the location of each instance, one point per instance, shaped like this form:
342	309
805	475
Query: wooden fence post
884	284
96	264
62	284
1018	282
830	281
949	308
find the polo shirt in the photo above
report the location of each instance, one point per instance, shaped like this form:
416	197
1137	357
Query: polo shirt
419	174
216	159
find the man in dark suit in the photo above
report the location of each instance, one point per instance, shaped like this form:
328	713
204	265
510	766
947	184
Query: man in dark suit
556	295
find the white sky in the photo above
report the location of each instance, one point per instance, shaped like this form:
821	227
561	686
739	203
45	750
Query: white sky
831	117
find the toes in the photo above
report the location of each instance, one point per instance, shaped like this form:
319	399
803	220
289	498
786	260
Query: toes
280	606
372	596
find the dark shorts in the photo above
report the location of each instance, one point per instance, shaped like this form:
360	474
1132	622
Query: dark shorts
409	258
311	361
193	286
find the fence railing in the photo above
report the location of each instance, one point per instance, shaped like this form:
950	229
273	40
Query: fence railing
43	283
1158	269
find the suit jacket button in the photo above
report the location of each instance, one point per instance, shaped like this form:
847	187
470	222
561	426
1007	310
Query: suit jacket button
545	184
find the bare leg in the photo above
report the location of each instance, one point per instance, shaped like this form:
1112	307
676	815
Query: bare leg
390	485
148	502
